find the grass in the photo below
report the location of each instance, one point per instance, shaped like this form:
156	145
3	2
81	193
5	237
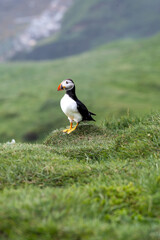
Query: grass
112	80
96	182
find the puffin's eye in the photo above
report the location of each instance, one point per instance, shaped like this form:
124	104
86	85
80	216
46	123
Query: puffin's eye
66	82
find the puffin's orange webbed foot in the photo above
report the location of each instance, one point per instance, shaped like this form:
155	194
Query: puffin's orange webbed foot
67	130
71	130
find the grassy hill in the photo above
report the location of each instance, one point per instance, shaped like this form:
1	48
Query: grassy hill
112	80
96	182
95	22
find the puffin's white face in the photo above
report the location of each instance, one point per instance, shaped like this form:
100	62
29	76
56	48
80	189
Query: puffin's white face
66	84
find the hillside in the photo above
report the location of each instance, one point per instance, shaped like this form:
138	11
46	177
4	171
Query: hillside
96	182
95	22
113	80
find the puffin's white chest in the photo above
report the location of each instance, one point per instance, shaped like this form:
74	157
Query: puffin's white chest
69	107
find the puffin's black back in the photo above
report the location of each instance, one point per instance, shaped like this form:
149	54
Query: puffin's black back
86	115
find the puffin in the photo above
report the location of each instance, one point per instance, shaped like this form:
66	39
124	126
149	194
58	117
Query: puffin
72	107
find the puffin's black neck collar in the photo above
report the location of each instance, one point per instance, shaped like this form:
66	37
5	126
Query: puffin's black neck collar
72	93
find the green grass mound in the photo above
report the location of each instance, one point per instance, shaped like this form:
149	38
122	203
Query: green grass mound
93	183
124	138
38	165
83	132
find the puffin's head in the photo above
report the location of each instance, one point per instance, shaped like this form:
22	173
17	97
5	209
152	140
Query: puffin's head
67	84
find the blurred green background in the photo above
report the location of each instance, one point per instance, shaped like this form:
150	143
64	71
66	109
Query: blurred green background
116	72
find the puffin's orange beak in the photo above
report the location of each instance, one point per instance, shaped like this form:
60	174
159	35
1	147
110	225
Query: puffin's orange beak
60	87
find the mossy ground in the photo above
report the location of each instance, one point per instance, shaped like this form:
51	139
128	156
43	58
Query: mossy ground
96	183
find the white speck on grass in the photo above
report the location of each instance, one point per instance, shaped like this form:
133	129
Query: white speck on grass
12	142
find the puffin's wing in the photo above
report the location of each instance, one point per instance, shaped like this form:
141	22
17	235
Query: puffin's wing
82	109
